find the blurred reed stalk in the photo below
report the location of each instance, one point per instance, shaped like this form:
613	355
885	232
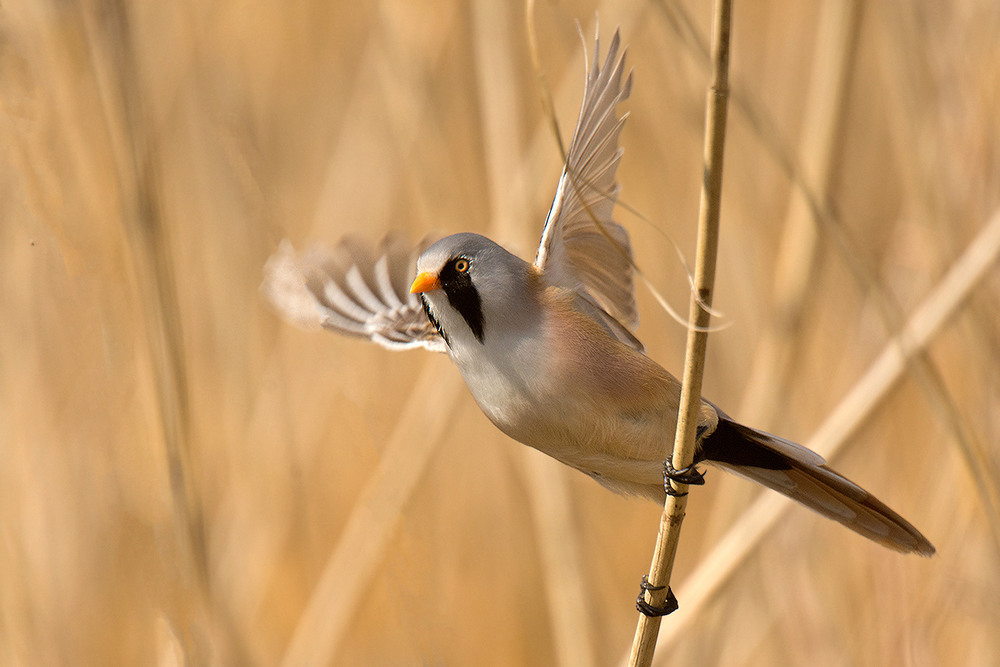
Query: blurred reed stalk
795	267
644	643
927	192
114	59
364	539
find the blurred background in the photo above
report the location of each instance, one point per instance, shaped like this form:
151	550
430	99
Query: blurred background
186	479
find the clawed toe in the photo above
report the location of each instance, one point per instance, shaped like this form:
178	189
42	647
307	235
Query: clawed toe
689	475
670	605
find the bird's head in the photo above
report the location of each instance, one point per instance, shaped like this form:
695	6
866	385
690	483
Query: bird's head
472	288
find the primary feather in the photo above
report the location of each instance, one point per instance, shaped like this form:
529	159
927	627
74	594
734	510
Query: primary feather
582	247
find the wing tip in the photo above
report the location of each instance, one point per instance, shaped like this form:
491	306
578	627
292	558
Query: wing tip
284	287
348	289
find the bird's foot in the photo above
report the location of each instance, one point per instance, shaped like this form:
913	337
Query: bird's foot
689	475
669	605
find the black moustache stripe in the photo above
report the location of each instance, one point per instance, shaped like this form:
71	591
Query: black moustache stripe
463	297
434	320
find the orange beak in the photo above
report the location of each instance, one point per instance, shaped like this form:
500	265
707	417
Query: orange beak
425	282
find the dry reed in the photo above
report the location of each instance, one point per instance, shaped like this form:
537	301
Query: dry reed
659	594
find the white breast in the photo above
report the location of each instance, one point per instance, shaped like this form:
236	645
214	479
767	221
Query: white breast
505	378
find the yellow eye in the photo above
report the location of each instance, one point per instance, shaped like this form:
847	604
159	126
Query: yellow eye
461	265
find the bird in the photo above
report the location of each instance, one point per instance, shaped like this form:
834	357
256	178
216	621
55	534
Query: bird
548	349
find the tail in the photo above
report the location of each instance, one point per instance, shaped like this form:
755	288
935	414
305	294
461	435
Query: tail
802	475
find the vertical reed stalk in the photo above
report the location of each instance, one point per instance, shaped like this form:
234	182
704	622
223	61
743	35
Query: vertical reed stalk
668	537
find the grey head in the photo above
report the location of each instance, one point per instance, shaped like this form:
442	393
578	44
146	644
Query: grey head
480	289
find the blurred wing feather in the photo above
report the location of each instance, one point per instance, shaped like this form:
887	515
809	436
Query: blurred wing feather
348	291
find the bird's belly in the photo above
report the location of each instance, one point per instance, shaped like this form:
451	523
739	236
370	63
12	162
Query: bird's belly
621	447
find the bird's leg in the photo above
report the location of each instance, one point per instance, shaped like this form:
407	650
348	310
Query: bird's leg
669	605
689	475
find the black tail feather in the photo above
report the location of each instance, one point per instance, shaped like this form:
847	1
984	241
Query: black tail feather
803	476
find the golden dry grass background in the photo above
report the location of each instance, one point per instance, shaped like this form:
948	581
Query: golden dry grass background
177	465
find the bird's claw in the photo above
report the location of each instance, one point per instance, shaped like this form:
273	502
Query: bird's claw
670	605
689	475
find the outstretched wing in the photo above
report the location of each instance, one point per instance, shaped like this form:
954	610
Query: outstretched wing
582	246
352	291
